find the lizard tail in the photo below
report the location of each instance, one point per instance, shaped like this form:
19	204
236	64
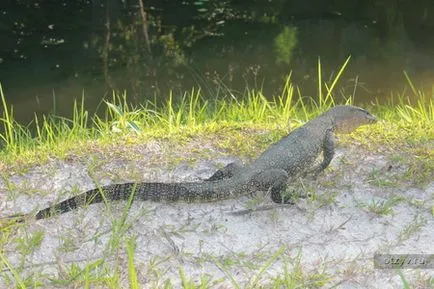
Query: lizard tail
168	192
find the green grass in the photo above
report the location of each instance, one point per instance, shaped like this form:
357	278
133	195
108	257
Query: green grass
132	273
377	178
384	207
406	124
411	229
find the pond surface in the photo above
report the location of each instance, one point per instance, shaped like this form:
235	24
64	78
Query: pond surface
90	48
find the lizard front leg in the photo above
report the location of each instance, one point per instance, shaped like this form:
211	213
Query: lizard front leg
328	152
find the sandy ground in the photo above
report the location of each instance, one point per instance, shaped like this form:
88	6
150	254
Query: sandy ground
333	232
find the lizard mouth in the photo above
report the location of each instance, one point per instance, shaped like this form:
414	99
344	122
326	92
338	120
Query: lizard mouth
372	119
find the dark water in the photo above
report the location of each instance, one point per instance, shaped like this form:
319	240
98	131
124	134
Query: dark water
44	67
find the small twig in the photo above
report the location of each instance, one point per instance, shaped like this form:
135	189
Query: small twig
341	225
145	26
175	248
257	209
105	52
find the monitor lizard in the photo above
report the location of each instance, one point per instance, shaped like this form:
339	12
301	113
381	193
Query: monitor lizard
295	153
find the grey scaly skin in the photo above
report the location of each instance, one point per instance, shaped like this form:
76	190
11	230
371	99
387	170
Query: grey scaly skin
294	154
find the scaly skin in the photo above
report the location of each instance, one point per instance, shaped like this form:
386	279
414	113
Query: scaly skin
293	154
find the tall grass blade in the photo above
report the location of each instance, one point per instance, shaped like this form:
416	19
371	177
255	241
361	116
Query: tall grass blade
410	83
132	273
335	81
266	266
227	273
17	277
8	123
320	96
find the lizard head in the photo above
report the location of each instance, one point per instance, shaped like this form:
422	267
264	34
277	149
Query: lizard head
347	118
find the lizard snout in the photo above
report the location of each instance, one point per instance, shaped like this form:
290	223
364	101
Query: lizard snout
371	118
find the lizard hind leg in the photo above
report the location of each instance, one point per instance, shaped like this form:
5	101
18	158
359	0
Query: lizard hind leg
226	172
274	180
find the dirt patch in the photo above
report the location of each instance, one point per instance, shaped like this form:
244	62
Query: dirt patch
364	203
